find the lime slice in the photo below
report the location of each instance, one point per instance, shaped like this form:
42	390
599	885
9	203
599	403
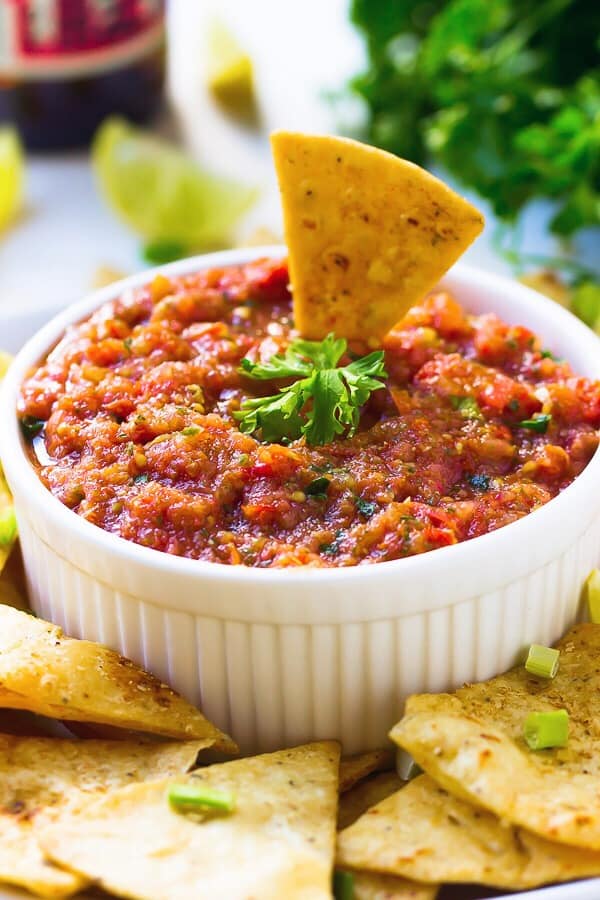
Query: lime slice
230	72
11	175
5	361
161	193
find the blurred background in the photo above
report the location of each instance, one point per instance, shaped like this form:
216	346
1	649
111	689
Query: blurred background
133	132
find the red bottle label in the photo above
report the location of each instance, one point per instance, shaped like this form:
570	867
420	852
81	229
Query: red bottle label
74	38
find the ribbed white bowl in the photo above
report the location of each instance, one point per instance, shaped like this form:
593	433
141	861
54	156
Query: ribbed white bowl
278	657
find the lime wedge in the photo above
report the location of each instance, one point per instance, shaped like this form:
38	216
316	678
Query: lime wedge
11	175
161	193
230	73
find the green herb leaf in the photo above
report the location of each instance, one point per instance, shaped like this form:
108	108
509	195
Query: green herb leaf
365	507
30	426
318	488
467	406
538	423
324	402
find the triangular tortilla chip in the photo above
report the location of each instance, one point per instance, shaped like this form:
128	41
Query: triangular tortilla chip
368	233
277	843
471	743
366	793
354	768
423	832
369	886
46	672
42	775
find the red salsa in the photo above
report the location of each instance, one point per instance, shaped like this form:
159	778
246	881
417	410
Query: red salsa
132	422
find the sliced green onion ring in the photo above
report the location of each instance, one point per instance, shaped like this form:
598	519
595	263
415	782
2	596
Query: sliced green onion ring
542	661
343	885
543	730
198	798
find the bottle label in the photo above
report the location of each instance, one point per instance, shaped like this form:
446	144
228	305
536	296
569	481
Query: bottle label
74	38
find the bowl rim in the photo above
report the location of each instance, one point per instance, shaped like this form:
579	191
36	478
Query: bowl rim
580	494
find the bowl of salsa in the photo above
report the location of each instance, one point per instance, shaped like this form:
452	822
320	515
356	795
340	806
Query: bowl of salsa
430	508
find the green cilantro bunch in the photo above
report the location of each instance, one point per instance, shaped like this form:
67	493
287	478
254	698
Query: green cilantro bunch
323	401
505	94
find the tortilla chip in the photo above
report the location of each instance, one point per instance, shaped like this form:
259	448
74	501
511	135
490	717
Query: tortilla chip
423	832
367	793
46	672
354	768
39	776
278	841
368	233
471	743
369	886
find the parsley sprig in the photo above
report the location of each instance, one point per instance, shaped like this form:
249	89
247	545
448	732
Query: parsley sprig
323	401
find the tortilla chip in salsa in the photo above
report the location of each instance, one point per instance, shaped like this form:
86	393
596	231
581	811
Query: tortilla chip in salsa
471	742
368	233
278	841
46	672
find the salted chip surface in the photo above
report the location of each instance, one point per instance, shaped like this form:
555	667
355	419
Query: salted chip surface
42	776
46	672
354	768
425	833
471	742
370	886
368	233
278	841
366	793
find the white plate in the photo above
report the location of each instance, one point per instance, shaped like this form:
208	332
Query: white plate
15	328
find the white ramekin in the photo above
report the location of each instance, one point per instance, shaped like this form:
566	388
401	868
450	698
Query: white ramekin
278	657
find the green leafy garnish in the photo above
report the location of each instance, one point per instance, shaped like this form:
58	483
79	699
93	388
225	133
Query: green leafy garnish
30	426
538	423
318	488
515	81
322	402
467	406
159	252
365	507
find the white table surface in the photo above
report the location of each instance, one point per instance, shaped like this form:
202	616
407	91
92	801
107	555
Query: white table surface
66	232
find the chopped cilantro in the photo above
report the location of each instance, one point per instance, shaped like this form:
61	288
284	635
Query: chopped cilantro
479	482
332	548
547	354
318	488
323	402
467	406
141	479
30	426
538	423
159	252
365	507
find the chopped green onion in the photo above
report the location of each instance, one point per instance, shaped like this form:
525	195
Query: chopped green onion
318	488
406	767
198	798
30	426
538	423
190	431
546	729
542	661
343	885
8	526
592	591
